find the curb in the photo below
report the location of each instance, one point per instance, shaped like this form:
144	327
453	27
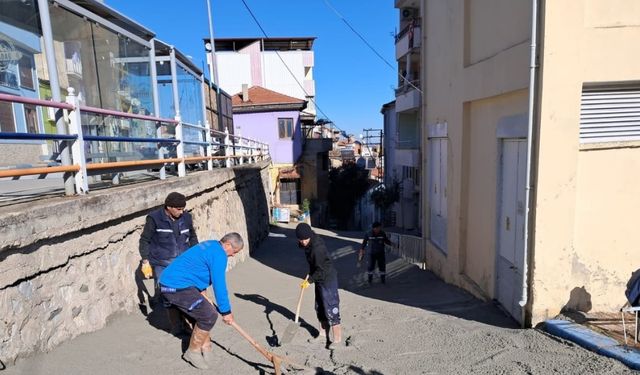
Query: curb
594	341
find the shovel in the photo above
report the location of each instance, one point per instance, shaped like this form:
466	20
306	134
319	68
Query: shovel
292	328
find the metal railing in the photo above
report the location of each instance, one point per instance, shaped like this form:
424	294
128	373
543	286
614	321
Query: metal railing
410	248
218	149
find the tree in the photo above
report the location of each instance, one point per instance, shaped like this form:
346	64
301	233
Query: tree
347	185
384	196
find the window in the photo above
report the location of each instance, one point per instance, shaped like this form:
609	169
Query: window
289	191
6	118
285	127
31	118
25	68
610	114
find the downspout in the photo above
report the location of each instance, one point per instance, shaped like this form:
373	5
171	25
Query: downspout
533	66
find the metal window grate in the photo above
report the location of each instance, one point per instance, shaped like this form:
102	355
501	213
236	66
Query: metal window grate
610	114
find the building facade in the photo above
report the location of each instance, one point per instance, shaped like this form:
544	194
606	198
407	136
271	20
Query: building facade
531	142
283	65
274	118
403	118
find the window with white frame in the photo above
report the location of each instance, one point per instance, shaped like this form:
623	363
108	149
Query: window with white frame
285	127
438	185
610	113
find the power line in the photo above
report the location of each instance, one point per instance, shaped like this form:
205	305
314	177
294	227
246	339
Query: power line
255	19
328	4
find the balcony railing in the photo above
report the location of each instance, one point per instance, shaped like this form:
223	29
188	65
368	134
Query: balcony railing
122	152
406	87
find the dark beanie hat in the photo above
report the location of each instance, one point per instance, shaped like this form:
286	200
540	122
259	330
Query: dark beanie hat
175	200
304	231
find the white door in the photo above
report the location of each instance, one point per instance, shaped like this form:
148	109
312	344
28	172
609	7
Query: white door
511	201
438	192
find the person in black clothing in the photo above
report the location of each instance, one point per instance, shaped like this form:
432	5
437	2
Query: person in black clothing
378	239
168	232
324	276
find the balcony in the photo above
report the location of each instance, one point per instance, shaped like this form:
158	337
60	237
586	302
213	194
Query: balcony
408	98
408	39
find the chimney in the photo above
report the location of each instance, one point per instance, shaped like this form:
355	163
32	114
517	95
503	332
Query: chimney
245	92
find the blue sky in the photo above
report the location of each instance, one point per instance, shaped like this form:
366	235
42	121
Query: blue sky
352	83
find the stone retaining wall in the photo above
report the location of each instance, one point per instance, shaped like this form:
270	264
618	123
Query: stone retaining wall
68	264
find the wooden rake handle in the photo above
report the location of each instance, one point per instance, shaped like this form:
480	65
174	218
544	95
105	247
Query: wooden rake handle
268	355
300	300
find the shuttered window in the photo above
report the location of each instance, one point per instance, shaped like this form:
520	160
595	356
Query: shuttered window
610	114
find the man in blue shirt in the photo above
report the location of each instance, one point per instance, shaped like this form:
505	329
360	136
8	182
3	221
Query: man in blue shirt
184	282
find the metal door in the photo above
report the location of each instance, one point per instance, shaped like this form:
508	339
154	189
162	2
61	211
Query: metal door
511	208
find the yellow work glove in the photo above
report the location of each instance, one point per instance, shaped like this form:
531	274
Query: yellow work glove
304	284
146	270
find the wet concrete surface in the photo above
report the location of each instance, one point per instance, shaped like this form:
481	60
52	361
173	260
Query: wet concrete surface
416	324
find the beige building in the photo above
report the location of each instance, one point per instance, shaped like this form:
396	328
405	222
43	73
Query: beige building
569	128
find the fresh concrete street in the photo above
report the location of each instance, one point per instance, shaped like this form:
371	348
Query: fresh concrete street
414	325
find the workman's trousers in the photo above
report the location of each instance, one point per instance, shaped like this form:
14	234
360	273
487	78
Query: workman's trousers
328	301
379	259
193	304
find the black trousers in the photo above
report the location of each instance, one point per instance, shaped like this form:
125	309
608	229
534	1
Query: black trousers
328	301
379	259
193	304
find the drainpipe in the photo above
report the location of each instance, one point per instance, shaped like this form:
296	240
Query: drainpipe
533	66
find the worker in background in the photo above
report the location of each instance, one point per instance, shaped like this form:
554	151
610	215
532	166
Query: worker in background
183	284
325	277
377	239
168	232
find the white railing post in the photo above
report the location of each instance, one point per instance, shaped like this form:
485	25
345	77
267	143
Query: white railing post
209	141
182	170
77	148
227	148
241	158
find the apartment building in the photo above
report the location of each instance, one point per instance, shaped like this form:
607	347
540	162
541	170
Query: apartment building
532	137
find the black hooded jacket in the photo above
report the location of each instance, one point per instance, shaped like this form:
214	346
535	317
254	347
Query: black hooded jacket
320	265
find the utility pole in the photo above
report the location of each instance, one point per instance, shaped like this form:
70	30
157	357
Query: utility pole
213	71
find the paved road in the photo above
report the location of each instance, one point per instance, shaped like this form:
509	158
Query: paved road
414	325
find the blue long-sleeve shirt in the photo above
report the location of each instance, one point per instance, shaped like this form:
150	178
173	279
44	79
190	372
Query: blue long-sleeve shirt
200	266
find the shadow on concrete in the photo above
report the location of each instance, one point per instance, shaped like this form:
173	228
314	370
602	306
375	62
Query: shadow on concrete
352	370
270	307
406	284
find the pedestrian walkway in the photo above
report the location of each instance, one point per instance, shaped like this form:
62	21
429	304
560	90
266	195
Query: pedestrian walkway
414	325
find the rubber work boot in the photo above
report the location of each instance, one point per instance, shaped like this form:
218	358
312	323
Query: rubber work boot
193	355
207	351
383	279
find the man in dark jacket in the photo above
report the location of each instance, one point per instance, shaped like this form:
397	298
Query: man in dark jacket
167	233
376	239
324	276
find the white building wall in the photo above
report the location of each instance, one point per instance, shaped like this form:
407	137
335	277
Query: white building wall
278	79
234	69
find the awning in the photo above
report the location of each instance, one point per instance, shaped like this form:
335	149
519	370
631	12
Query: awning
289	173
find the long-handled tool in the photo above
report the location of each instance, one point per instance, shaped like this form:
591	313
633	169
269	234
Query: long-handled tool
271	357
292	328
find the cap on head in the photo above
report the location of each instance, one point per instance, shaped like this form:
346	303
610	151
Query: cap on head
376	224
175	199
304	231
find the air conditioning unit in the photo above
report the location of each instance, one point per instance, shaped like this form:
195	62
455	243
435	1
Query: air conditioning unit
409	13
